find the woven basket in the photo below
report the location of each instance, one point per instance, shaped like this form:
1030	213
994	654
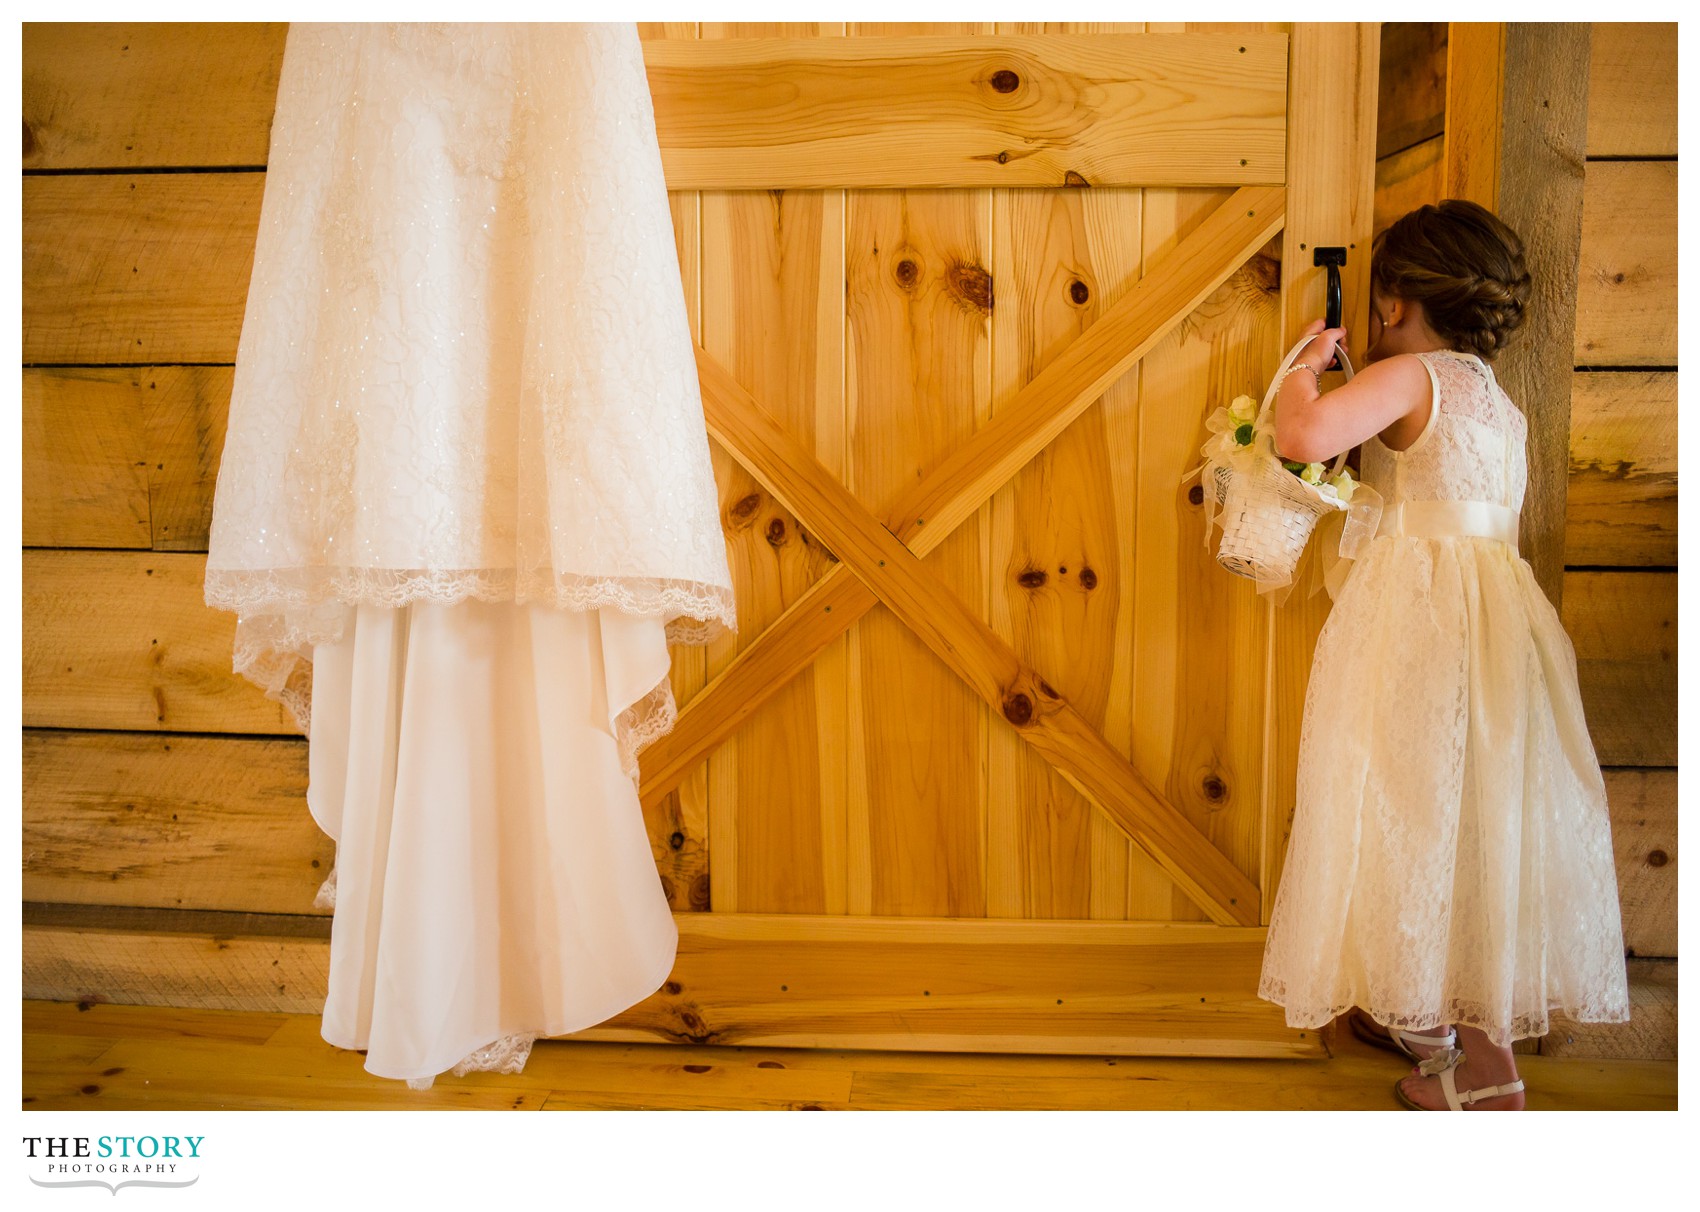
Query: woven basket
1264	538
1268	513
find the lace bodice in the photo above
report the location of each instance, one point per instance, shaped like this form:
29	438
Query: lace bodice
1472	448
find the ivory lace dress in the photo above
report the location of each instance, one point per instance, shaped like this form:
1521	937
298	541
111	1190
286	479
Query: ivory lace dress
464	504
1451	858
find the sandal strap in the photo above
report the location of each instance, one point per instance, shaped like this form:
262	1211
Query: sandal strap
1448	1075
1426	1041
1445	1065
1473	1096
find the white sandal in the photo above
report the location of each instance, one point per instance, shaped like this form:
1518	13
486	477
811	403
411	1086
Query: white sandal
1397	1039
1444	1064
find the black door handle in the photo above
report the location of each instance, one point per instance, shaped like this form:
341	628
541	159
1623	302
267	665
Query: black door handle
1333	258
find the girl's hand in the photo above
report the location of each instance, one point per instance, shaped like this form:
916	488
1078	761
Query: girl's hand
1324	341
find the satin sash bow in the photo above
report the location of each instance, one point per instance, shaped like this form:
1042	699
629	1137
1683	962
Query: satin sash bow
1422	520
1450	520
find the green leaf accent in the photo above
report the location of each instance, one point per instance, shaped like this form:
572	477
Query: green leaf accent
1242	435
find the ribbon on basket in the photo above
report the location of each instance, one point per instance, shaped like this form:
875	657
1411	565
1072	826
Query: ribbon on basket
1270	510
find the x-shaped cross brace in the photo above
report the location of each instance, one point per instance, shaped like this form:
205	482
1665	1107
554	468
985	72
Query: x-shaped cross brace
882	562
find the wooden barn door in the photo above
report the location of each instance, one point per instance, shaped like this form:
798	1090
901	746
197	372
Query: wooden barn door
999	760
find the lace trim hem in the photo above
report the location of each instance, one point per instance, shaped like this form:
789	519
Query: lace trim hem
505	1055
1453	1012
282	614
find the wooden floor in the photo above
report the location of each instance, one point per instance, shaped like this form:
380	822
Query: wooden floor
131	1057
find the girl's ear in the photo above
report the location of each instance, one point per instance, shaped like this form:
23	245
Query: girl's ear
1397	310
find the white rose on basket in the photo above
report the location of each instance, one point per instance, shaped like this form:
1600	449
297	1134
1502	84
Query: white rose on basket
1242	414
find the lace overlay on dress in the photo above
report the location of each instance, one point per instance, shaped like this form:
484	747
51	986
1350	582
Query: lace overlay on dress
1450	859
505	1055
281	615
465	369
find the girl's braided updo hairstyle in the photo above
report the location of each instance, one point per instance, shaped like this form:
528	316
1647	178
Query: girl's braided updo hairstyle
1463	265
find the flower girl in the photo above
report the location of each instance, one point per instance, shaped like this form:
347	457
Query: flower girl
1449	878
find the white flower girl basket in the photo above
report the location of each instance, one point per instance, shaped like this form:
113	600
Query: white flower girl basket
1267	513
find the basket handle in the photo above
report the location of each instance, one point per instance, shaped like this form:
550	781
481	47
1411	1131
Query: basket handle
1275	386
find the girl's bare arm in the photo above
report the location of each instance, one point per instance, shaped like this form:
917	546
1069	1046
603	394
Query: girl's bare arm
1312	427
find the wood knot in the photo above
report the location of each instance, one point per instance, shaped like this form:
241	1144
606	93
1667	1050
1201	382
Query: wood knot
744	510
776	532
770	1064
972	285
1215	790
1005	81
1195	494
907	273
1078	292
1075	180
672	987
1033	578
700	892
1265	273
1088	579
1018	709
676	839
1003	158
1657	858
699	1068
1046	689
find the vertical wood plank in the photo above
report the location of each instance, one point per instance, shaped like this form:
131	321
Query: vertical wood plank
1061	538
772	314
1475	92
919	298
1540	195
1330	201
1201	635
679	825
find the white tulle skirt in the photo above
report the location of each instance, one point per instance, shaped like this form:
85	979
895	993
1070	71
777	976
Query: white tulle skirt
494	880
1451	858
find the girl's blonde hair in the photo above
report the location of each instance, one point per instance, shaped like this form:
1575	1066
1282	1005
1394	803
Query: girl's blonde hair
1463	265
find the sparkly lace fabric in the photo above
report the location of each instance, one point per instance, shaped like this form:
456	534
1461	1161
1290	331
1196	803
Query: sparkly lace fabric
1451	859
465	369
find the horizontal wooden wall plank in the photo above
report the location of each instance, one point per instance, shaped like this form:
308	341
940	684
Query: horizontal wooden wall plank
1408	179
1643	834
1626	283
123	640
778	980
168	821
128	457
761	113
221	823
1622	492
935	111
133	94
1632	89
118	639
137	269
122	457
1623	625
172	822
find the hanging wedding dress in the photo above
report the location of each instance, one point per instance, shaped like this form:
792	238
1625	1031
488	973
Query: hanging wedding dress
465	502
